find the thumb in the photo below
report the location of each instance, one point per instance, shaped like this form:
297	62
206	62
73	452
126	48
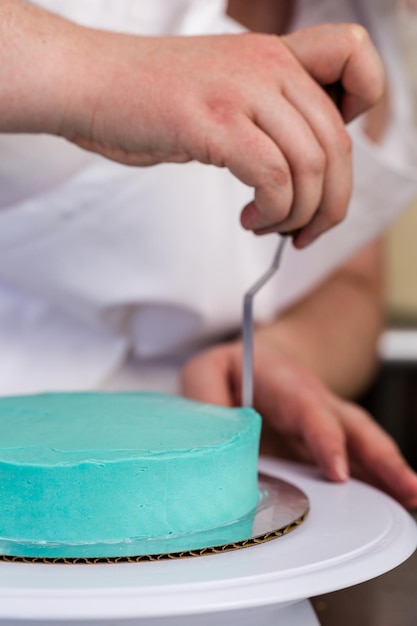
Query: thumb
344	53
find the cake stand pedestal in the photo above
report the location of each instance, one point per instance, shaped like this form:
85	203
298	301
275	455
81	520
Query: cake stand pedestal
352	534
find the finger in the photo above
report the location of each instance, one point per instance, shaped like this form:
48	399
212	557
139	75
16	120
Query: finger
207	378
257	161
316	425
353	60
379	456
325	438
283	445
326	123
306	159
394	476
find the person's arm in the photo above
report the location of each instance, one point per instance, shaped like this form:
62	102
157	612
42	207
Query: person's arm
251	103
322	347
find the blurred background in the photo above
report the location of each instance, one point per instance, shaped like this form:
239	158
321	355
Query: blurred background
392	398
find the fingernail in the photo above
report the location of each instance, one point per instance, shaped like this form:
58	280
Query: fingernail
340	468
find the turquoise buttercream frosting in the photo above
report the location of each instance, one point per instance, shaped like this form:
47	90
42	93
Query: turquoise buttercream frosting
107	474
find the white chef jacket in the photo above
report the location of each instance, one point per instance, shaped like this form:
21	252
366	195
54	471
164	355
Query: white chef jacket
99	261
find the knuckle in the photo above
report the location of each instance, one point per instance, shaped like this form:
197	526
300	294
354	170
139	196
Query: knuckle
345	142
313	164
357	34
340	145
274	194
281	175
222	110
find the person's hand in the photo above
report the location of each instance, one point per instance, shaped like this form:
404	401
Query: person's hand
303	420
251	103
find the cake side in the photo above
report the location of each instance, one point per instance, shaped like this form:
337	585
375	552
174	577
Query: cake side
198	473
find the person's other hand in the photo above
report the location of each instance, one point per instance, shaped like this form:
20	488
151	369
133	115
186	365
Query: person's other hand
251	103
303	420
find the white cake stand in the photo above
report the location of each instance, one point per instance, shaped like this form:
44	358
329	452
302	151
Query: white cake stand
352	534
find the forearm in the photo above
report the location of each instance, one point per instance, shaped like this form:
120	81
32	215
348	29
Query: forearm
35	84
334	331
52	72
61	78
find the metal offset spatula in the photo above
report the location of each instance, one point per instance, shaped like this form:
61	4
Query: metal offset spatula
335	92
247	369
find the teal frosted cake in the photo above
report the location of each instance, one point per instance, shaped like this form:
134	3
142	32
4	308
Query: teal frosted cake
107	474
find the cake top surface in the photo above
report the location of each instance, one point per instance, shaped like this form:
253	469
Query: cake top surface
68	428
